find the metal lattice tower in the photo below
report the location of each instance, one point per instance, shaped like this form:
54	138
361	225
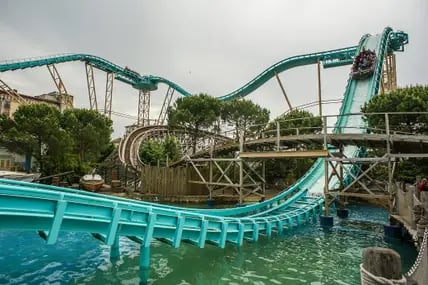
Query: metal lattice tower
109	94
11	92
143	108
166	102
91	86
65	99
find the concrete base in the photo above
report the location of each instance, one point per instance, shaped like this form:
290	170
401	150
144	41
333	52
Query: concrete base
210	203
326	221
342	213
392	231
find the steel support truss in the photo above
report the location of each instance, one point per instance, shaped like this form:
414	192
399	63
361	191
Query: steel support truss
166	102
11	92
143	108
64	98
109	94
229	176
90	79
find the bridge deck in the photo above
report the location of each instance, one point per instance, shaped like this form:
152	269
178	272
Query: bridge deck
399	141
284	154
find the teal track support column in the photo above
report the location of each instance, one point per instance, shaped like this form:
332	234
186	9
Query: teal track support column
144	264
115	250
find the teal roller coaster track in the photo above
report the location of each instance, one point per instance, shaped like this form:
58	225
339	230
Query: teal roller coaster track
49	209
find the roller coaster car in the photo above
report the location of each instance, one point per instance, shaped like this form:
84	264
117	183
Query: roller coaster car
364	64
132	71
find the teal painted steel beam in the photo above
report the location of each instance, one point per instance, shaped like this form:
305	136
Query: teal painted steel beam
115	250
53	209
178	231
144	262
111	234
56	223
149	82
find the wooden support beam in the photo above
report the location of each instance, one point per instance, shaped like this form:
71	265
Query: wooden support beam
360	195
284	154
353	160
224	184
283	91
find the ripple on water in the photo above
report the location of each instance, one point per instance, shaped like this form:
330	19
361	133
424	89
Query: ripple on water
301	256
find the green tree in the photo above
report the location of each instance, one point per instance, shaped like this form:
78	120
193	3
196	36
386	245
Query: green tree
159	153
90	132
409	99
171	148
242	114
286	172
197	113
36	131
300	121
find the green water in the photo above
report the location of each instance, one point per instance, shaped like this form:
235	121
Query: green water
306	255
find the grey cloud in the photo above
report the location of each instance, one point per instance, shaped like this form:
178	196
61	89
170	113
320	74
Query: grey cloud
205	46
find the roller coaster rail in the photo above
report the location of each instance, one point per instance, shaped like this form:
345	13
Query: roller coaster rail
49	210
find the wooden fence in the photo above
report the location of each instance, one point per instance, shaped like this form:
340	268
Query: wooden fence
165	181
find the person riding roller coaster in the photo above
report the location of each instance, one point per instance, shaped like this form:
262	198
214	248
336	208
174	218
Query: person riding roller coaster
364	64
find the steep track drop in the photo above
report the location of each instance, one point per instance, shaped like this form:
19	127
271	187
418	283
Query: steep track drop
27	206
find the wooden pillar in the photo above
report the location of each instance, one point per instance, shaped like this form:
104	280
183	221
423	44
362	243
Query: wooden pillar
264	176
241	180
55	181
380	262
319	88
278	134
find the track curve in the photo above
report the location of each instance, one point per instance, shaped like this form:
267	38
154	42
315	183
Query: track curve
28	206
149	82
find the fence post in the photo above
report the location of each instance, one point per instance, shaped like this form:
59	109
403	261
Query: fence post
277	135
325	131
380	262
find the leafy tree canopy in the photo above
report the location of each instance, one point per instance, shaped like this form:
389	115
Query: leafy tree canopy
158	153
36	131
196	112
410	99
59	142
244	113
90	131
302	120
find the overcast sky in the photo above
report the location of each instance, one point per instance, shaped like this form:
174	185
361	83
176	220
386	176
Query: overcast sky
205	46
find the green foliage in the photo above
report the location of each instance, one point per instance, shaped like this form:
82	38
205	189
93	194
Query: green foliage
410	99
286	172
244	113
195	112
59	142
36	131
90	131
302	120
283	173
158	153
171	148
